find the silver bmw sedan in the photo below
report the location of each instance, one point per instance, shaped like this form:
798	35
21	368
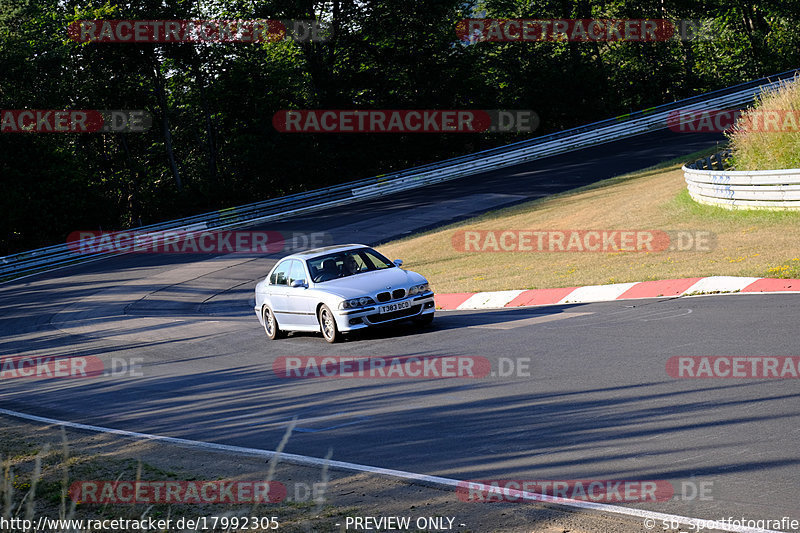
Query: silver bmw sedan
338	289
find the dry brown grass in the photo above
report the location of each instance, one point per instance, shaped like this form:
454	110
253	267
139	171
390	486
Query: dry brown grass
758	148
109	457
748	244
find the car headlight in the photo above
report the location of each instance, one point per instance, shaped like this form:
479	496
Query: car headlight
356	302
418	289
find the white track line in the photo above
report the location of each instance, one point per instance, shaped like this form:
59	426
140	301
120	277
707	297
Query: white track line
659	518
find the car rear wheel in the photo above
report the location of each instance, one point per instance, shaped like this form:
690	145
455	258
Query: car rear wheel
327	324
271	325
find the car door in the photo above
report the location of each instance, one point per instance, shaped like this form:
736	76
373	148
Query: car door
300	300
279	301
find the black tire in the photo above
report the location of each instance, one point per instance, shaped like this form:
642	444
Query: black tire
424	320
327	324
271	327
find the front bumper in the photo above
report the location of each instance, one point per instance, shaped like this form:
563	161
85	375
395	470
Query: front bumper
354	319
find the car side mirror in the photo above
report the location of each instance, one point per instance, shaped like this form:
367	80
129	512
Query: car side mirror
299	283
398	262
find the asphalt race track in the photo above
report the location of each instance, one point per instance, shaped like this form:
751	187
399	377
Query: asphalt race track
595	403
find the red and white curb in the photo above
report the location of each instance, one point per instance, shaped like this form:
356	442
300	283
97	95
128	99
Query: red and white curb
616	291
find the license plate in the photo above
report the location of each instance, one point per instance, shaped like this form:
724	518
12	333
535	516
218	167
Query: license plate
399	306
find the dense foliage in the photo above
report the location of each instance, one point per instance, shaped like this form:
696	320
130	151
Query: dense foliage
212	143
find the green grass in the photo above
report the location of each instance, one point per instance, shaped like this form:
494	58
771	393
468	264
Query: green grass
788	270
683	203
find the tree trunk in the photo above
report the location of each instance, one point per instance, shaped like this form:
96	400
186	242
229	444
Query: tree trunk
158	80
211	137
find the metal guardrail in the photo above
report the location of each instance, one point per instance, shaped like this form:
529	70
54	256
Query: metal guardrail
720	161
712	182
608	130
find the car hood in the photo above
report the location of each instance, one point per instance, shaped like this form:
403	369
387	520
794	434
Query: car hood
371	283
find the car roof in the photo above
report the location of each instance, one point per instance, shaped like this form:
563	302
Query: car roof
314	252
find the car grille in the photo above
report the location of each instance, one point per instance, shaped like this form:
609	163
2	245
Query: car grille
394	295
385	317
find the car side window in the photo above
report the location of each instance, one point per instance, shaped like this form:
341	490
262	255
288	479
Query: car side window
360	263
296	271
325	268
280	274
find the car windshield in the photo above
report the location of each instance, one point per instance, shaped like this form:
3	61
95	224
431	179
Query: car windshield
346	263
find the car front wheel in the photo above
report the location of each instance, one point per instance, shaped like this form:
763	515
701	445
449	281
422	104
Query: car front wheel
327	323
